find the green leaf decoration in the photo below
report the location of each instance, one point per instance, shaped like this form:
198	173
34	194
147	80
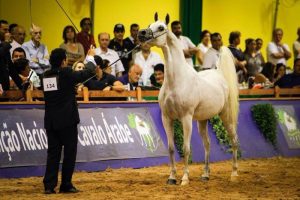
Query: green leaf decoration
178	139
222	135
280	115
266	120
131	120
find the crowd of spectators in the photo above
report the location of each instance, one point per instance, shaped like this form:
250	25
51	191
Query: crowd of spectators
253	71
126	64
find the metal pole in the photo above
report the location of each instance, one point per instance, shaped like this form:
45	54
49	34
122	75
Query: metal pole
276	14
92	15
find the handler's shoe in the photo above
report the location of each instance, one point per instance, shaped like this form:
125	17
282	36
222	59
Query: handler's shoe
68	190
49	191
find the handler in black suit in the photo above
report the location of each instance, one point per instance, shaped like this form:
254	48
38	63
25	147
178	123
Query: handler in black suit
61	119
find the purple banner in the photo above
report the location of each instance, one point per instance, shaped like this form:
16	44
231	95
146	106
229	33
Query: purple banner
104	134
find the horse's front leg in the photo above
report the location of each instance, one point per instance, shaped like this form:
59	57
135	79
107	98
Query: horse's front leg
169	128
202	125
187	133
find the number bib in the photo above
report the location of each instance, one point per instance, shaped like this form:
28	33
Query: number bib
50	84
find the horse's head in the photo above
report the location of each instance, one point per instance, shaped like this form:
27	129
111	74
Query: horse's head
156	33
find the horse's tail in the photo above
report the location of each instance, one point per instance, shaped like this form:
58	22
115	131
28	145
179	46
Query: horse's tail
227	66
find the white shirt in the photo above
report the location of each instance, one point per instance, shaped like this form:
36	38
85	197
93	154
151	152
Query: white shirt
34	78
211	58
112	56
296	47
186	44
147	65
272	48
14	45
203	50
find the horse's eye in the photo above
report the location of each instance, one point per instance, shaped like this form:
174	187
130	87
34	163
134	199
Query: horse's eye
161	28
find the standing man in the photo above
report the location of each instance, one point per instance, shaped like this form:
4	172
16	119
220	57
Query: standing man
212	56
36	52
84	36
61	119
105	53
18	35
278	52
121	46
189	48
6	68
133	38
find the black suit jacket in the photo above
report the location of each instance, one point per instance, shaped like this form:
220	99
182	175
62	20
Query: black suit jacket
6	68
61	108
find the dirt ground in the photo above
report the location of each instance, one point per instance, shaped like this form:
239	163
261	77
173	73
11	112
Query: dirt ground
272	178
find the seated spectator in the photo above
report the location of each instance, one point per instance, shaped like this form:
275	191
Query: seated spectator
296	45
102	80
291	80
75	51
78	66
204	45
18	53
18	35
84	36
277	51
28	76
254	60
108	68
147	59
157	78
259	43
1	90
268	71
133	76
280	71
36	52
240	62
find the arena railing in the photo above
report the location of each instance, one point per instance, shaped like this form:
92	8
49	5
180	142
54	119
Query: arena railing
138	95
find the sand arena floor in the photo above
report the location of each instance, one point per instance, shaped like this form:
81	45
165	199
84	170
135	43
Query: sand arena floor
272	178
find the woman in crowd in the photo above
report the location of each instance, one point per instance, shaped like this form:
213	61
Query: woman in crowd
254	60
204	45
74	49
280	71
78	66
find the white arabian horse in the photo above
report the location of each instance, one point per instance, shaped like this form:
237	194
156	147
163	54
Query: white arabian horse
187	95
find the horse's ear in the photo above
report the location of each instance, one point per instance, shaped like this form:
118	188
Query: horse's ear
167	19
155	16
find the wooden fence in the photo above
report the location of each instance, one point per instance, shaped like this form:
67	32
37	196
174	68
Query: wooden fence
89	96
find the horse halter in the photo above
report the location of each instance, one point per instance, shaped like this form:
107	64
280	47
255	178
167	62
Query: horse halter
146	35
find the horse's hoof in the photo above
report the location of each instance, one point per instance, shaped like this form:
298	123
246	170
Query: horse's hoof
185	182
234	178
171	181
204	178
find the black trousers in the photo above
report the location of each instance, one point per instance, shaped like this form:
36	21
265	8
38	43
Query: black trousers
57	139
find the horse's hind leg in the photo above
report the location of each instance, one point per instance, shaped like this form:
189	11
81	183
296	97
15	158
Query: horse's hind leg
187	131
202	125
169	128
231	129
